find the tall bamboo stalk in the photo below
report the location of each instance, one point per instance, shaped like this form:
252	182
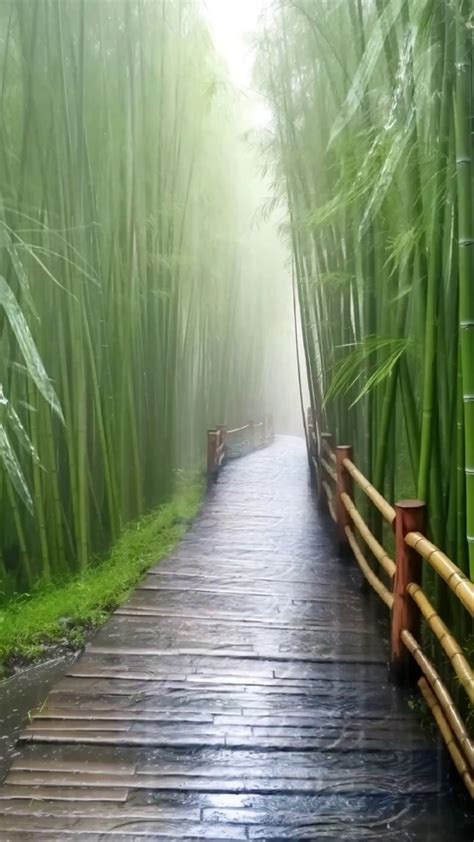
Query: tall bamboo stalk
464	142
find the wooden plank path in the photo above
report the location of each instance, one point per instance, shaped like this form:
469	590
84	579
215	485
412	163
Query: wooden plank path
241	694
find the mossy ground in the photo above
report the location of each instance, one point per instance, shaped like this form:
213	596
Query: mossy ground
63	615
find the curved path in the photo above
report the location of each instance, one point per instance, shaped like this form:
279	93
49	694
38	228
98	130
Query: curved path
241	694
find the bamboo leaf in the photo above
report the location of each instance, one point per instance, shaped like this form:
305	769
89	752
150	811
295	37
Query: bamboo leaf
13	469
366	68
387	174
353	367
28	348
19	270
23	438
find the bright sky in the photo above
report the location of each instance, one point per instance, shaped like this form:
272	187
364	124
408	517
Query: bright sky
232	21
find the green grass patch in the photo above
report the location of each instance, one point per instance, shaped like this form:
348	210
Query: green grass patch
66	614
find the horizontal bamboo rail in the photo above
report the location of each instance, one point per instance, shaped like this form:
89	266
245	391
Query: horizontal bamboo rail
329	470
328	451
260	434
442	694
452	575
386	510
377	585
375	547
407	603
450	645
441	721
238	429
330	500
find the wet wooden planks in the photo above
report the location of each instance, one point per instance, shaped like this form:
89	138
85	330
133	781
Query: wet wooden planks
242	693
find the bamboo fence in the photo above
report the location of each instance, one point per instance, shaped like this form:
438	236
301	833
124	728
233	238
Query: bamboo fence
336	475
224	444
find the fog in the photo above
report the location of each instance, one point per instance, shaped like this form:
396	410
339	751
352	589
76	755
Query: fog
265	246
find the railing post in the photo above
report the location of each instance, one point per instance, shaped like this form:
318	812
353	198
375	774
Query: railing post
312	455
344	485
212	436
269	430
316	469
222	429
251	435
327	437
310	432
410	516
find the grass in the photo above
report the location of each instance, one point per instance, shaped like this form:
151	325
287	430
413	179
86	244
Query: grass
64	615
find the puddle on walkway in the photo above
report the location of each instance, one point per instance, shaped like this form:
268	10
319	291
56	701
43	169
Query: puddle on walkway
21	693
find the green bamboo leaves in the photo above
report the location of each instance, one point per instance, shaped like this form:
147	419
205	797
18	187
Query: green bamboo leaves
367	66
8	457
374	148
29	351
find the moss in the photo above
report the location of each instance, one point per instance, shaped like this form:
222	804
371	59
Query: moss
64	615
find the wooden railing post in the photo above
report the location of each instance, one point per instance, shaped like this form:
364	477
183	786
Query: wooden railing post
266	429
410	517
327	437
344	485
311	454
269	429
316	470
251	435
311	449
212	437
222	430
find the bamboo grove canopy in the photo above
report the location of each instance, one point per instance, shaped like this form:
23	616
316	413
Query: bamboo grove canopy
372	151
131	315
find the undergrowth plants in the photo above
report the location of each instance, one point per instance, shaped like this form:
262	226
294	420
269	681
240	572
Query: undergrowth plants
59	615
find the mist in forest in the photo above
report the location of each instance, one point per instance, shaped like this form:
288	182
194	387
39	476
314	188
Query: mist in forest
234	28
146	278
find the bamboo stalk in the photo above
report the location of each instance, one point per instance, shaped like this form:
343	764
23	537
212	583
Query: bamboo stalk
464	168
372	579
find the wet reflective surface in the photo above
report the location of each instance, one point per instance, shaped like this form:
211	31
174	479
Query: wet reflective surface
242	693
21	693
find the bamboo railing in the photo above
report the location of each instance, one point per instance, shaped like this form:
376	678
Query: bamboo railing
224	444
400	590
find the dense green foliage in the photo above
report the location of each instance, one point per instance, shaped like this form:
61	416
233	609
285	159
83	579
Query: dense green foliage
65	615
131	316
373	152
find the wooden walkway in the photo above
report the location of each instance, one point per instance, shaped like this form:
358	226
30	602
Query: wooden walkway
241	694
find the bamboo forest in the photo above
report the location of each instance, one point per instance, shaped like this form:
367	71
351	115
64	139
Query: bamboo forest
237	419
